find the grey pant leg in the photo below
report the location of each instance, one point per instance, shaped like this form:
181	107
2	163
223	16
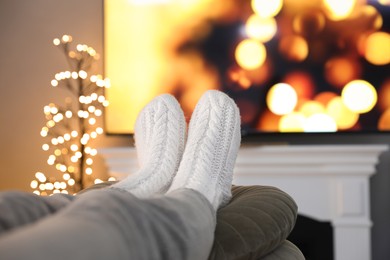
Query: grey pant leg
112	224
21	208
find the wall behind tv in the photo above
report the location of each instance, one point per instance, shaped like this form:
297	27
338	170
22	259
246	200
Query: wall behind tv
28	61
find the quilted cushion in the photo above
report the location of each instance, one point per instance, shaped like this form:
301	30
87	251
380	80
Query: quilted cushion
255	222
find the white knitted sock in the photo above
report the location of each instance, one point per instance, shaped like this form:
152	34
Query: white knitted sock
160	134
213	141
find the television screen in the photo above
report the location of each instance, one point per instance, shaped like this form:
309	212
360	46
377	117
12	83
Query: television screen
292	66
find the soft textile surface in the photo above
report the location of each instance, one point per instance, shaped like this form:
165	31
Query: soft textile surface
257	221
287	250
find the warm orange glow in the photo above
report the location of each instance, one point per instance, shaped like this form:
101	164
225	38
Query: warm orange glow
384	121
375	18
309	23
301	82
269	122
262	29
250	54
342	115
267	8
310	108
384	95
325	97
341	70
292	122
281	99
294	47
339	9
359	96
377	49
140	52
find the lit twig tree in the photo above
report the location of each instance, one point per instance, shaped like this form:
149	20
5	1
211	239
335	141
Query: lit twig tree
70	128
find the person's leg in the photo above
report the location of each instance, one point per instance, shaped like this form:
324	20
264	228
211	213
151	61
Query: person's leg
113	224
21	208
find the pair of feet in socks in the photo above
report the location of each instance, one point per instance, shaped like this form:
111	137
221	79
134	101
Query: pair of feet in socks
169	160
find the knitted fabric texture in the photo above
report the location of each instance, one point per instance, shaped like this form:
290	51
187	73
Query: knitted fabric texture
213	141
160	133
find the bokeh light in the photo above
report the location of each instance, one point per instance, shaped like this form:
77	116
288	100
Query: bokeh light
338	10
359	96
309	23
302	82
294	47
269	122
384	121
281	99
375	19
262	29
325	97
384	94
341	114
384	2
311	107
250	54
320	123
267	8
292	122
377	48
341	70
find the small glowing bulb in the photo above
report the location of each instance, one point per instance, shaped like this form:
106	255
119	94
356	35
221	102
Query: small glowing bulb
66	38
74	147
67	137
49	186
92	121
54	83
68	114
111	179
66	176
99	130
45	147
97	181
98	112
34	184
74	133
83	74
71	182
89	161
40	176
75	75
60	139
88	171
56	42
94	135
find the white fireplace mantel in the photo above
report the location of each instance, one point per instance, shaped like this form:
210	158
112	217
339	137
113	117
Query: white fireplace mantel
328	182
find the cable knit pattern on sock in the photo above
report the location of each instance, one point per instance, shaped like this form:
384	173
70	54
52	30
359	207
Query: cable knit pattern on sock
213	141
160	134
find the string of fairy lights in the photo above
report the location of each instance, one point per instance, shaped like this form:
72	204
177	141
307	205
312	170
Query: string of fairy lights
70	128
